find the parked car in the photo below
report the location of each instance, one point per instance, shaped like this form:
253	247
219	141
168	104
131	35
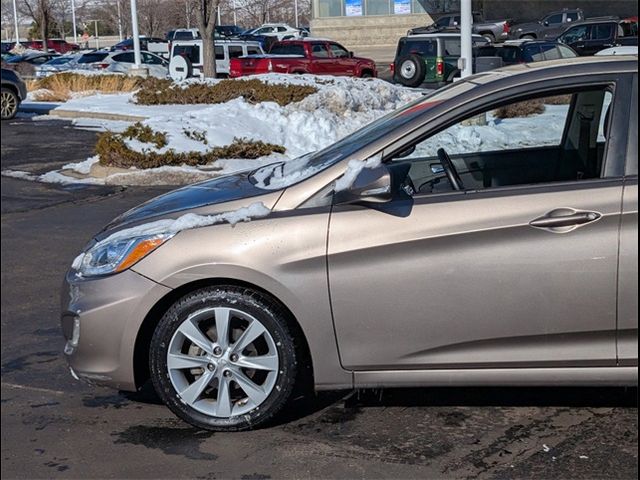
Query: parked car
513	52
548	27
629	26
530	250
186	56
122	62
227	31
157	46
183	34
54	44
314	56
88	59
429	58
14	91
281	31
57	65
25	64
492	30
591	36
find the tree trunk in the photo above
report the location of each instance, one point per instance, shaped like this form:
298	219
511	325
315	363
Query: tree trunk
207	25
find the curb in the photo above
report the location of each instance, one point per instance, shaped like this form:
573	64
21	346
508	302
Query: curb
97	115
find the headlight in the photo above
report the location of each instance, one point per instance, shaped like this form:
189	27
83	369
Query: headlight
117	255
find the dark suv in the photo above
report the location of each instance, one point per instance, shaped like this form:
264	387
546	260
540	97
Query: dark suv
591	36
549	26
14	91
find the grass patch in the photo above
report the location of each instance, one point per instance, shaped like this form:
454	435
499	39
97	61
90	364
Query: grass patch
145	134
60	86
114	152
521	109
164	92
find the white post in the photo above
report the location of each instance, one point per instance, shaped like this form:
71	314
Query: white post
95	29
466	26
219	16
295	12
136	35
15	22
119	21
235	13
73	21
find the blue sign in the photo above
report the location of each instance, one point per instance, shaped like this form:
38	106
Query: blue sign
401	7
353	8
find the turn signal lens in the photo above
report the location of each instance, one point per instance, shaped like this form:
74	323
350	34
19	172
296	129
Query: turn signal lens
140	251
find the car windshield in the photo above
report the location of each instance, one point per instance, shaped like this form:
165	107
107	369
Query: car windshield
284	174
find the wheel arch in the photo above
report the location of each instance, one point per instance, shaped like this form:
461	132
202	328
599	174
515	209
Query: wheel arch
148	326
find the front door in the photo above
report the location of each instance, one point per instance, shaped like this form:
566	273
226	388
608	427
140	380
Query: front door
517	269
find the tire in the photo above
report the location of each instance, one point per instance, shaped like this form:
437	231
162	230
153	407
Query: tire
411	70
240	411
489	36
10	103
366	74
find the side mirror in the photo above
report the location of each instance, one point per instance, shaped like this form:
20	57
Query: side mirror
371	185
546	23
351	55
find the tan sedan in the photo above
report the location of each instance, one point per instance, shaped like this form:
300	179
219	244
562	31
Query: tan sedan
483	235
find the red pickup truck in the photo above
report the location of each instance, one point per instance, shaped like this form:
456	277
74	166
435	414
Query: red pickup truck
55	44
319	57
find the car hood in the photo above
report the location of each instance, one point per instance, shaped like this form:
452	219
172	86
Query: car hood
205	198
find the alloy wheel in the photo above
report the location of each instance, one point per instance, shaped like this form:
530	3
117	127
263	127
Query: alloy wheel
9	104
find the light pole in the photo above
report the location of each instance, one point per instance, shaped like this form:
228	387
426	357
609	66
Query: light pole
136	40
15	22
466	25
235	13
73	21
295	11
119	21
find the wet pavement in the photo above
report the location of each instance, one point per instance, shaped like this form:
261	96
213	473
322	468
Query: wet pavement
55	427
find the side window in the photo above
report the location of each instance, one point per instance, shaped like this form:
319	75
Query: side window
338	51
235	51
443	22
532	53
550	51
282	29
518	143
124	57
566	52
554	19
456	21
192	52
219	53
452	47
253	51
575	34
602	32
573	17
319	50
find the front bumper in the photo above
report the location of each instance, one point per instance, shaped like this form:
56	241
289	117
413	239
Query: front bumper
101	318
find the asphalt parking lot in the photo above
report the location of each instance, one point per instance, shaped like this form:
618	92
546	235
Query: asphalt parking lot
55	427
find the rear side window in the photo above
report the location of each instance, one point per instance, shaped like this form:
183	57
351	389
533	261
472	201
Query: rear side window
602	32
287	49
183	36
424	48
219	53
192	52
452	47
92	57
253	51
124	57
509	54
573	17
550	52
555	19
235	51
532	53
319	51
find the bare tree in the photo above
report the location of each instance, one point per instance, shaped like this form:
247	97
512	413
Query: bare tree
41	12
207	11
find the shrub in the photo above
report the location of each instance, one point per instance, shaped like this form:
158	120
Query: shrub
145	134
61	85
114	152
520	109
163	92
558	100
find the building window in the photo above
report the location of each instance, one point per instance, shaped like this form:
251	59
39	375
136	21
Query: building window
416	7
378	7
330	8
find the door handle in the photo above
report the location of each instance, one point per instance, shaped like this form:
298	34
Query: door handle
564	220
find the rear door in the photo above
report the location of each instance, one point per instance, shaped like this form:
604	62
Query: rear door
601	36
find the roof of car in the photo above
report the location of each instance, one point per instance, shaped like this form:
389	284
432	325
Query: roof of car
591	21
567	66
436	34
522	41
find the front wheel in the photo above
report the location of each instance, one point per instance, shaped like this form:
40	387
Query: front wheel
10	104
223	359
